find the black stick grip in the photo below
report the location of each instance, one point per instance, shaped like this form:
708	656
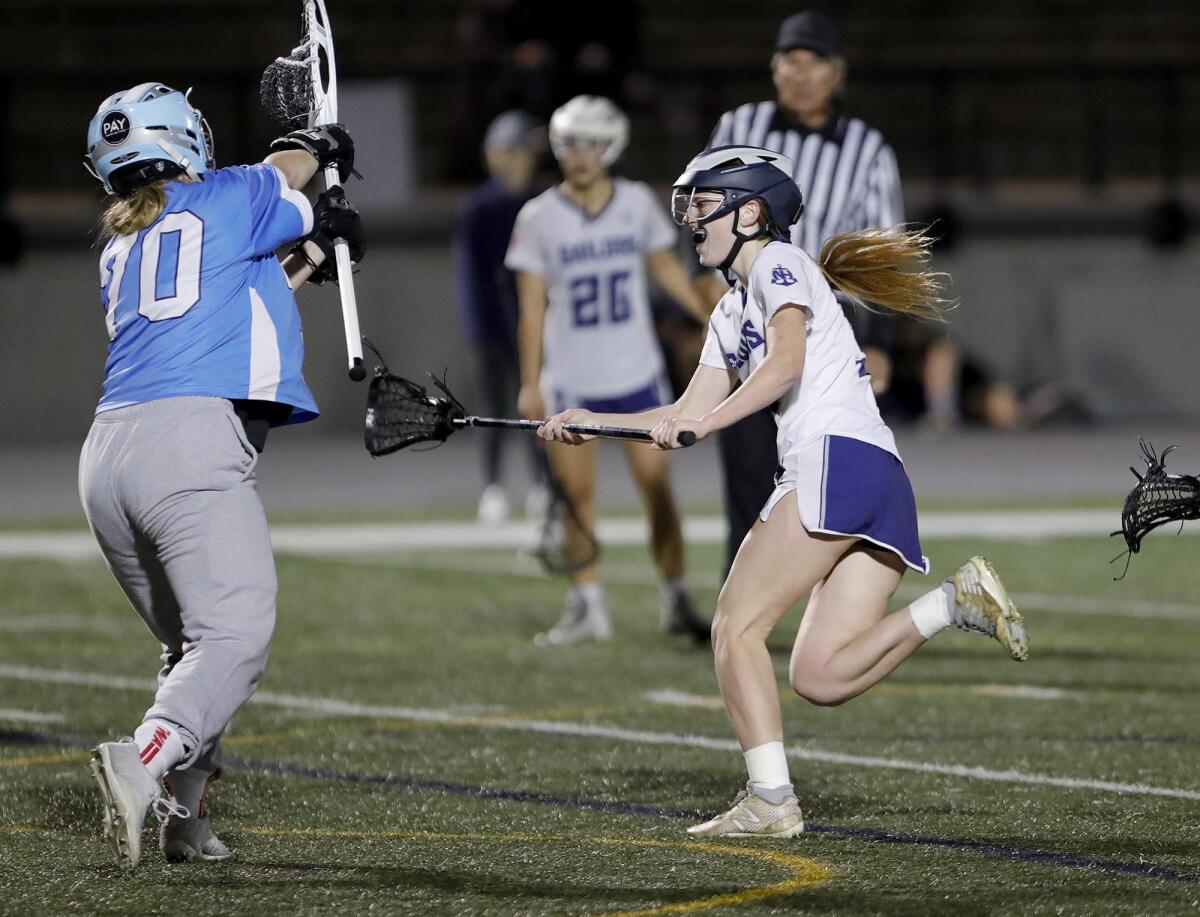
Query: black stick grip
686	438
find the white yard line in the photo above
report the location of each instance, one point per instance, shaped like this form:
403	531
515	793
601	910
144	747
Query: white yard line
335	707
1020	525
8	715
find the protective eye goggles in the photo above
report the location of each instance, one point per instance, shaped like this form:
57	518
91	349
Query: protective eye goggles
697	205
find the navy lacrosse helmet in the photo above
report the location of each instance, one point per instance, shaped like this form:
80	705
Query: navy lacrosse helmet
741	174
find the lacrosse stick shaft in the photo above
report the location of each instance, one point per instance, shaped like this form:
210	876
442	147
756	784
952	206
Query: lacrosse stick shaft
341	250
686	438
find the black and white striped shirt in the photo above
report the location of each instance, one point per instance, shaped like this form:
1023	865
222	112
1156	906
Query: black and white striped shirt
846	170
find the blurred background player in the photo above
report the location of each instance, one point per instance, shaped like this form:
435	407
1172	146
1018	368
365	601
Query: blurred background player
587	338
487	295
204	357
841	525
851	182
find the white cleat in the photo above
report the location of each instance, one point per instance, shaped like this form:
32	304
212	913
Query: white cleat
129	792
493	505
186	839
753	816
579	622
983	606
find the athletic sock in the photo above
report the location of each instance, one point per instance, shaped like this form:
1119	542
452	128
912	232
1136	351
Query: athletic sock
159	746
934	611
189	787
670	588
592	595
768	769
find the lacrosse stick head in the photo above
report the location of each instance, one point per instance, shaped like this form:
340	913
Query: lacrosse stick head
401	413
300	90
566	545
1156	499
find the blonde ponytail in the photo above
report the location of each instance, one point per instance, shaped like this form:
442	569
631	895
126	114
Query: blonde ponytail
886	268
135	211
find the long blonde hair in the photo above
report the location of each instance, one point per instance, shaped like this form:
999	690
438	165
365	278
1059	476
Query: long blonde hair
134	211
887	268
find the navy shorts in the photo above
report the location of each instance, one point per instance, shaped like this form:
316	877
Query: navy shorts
845	486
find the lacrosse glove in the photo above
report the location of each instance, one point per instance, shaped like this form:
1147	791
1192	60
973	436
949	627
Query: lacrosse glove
333	218
329	144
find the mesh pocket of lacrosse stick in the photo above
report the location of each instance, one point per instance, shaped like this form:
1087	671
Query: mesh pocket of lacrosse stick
287	89
558	554
1156	499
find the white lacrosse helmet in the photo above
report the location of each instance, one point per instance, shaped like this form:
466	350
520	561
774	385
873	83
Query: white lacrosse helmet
590	118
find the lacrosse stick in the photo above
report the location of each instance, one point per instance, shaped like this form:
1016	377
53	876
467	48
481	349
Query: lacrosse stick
1156	499
554	551
299	91
401	413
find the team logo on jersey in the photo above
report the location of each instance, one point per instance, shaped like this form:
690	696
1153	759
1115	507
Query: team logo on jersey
115	127
781	276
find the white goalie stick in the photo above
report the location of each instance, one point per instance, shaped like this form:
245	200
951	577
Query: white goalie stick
299	91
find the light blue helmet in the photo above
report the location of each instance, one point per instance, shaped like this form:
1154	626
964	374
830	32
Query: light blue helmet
146	133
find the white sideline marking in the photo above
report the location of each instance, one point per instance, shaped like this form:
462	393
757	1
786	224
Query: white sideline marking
1020	525
1023	692
29	716
612	733
672	698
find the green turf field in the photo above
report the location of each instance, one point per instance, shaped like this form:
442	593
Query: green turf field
411	752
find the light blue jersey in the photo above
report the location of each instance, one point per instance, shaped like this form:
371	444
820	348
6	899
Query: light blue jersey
198	304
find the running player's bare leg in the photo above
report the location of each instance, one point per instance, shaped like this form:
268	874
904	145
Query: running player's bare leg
651	472
585	612
847	642
778	565
575	468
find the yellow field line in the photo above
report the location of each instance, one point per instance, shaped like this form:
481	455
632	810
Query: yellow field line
29	760
806	872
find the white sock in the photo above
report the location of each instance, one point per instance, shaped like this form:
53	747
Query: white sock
592	595
159	746
767	766
933	611
673	587
189	788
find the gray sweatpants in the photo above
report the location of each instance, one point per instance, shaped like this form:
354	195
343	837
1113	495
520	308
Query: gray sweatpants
168	487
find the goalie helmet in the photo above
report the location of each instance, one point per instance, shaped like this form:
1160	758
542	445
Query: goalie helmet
741	174
146	133
590	118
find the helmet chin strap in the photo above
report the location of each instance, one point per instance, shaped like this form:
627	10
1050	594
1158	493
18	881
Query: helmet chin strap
738	241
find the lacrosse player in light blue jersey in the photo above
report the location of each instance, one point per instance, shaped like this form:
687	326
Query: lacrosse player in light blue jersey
204	357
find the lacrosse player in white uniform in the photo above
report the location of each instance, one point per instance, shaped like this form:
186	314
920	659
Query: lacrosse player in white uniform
204	357
586	336
841	525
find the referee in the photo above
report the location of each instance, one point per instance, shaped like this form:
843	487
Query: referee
849	178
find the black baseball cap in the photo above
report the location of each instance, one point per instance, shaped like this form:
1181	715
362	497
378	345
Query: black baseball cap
810	30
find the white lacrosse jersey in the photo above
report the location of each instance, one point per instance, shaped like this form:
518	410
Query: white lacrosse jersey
598	339
833	394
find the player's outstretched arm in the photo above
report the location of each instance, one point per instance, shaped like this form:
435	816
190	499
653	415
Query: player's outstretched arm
708	388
